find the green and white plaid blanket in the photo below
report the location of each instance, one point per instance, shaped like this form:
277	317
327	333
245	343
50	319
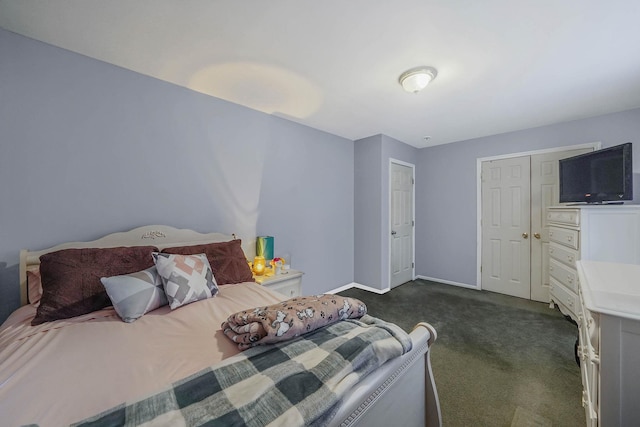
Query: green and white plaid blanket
294	383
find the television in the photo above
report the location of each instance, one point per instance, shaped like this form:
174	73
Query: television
603	176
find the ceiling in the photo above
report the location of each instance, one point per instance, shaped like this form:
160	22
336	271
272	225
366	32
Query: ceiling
503	65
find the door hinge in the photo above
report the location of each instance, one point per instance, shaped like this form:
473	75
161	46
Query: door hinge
480	269
412	265
413	223
412	181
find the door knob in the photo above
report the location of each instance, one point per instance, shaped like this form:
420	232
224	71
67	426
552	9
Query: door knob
525	235
393	233
536	235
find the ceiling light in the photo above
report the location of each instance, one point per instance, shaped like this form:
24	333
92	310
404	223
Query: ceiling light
416	79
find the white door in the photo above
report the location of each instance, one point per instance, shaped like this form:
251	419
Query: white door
544	193
505	226
402	223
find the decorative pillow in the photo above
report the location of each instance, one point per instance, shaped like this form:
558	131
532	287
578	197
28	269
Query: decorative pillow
71	278
186	278
227	260
135	294
34	285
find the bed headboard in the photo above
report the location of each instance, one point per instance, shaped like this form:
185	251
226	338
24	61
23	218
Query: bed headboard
162	236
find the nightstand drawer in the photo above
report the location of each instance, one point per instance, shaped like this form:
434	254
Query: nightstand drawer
563	254
564	236
288	284
288	288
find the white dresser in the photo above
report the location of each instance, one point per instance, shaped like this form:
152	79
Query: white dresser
609	350
600	233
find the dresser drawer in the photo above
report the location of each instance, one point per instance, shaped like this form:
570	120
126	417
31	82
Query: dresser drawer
568	276
563	254
563	297
565	236
564	216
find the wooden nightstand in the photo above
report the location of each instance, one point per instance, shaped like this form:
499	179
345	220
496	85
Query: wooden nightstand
288	283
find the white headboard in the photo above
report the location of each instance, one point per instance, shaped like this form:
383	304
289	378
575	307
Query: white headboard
161	236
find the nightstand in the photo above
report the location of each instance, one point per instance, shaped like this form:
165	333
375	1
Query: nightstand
288	283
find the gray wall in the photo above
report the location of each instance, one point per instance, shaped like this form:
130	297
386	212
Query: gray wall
88	148
446	200
371	206
367	211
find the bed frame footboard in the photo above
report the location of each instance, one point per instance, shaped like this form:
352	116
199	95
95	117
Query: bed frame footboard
402	392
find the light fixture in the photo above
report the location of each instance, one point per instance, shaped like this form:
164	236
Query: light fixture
416	79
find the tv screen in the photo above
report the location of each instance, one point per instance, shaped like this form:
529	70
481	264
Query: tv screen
603	176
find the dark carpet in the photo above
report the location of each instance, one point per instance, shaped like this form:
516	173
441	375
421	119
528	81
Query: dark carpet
498	360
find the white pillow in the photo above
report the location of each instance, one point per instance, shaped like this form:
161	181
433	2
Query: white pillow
186	278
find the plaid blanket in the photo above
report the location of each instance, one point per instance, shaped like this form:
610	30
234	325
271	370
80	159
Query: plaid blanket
294	383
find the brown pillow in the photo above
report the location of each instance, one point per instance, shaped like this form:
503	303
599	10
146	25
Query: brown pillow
71	278
227	260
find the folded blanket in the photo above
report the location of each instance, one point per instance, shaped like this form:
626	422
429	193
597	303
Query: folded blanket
289	319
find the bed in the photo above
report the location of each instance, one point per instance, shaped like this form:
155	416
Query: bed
95	367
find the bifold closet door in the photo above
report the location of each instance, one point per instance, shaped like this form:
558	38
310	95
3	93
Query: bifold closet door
514	222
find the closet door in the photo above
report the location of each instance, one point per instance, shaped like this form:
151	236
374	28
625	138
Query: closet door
515	234
505	226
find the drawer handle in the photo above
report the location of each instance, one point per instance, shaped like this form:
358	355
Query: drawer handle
570	257
569	238
551	234
550	250
551	268
569	279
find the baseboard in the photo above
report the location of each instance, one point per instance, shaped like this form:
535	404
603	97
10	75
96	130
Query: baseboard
384	291
359	286
448	282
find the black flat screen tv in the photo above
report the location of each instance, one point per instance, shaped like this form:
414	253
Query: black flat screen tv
603	176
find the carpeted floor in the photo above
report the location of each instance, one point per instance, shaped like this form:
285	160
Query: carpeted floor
498	360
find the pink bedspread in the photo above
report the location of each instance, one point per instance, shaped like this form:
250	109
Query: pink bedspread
64	371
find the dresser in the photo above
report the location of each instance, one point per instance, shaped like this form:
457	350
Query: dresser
601	233
609	345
